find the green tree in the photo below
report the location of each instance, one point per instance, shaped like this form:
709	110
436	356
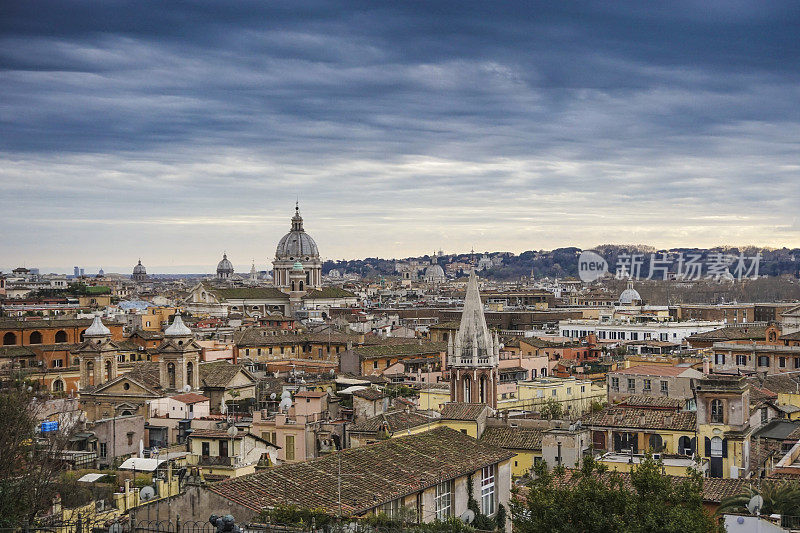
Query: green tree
591	499
551	409
780	497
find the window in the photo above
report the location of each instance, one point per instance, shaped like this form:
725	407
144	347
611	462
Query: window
631	385
782	362
36	338
206	449
764	415
58	363
656	443
763	360
716	412
553	392
583	388
103	449
290	447
797	362
719	358
61	336
130	438
615	384
487	490
443	500
223	448
664	387
646	385
741	360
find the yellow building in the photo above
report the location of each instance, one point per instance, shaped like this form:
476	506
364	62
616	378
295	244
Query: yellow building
433	399
525	443
222	455
574	395
723	424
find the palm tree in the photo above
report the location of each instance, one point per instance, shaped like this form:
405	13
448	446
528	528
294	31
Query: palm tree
780	497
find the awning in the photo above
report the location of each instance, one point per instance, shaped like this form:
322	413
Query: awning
90	478
143	465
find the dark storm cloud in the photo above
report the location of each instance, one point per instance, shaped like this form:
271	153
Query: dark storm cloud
487	119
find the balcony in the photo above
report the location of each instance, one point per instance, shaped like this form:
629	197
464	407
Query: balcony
216	460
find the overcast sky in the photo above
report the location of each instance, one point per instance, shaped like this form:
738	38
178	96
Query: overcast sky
173	131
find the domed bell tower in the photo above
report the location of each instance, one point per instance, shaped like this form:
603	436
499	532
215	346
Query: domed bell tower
179	358
97	355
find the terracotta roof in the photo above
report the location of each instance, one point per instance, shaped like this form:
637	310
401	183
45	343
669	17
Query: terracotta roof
190	398
394	420
654	370
714	489
785	382
219	373
8	323
633	417
662	402
146	373
733	333
791	336
369	394
372	352
247	293
377	473
16	351
265	337
462	411
513	438
329	292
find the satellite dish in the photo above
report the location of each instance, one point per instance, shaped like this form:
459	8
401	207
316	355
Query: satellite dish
147	493
286	394
116	528
273	396
285	404
468	516
187	388
232	431
755	504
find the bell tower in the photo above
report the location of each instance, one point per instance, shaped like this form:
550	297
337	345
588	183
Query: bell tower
474	355
179	357
97	355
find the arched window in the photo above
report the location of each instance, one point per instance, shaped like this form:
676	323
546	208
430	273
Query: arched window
467	389
716	412
483	389
82	333
716	447
171	375
9	339
90	372
656	443
292	285
301	285
189	373
686	445
109	368
126	413
61	336
36	338
58	386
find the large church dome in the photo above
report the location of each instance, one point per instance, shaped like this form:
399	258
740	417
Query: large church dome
297	244
139	268
224	266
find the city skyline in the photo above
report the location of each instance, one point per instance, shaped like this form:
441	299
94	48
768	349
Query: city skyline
176	132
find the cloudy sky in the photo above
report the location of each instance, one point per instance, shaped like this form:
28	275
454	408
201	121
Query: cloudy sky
172	131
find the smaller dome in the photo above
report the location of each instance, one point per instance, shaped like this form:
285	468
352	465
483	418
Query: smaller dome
139	268
178	328
225	265
629	295
434	273
297	266
97	329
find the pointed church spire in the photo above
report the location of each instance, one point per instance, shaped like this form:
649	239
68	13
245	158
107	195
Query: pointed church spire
473	344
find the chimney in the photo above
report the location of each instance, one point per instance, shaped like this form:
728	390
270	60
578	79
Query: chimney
706	365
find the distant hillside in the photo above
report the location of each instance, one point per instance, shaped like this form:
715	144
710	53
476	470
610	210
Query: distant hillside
563	262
